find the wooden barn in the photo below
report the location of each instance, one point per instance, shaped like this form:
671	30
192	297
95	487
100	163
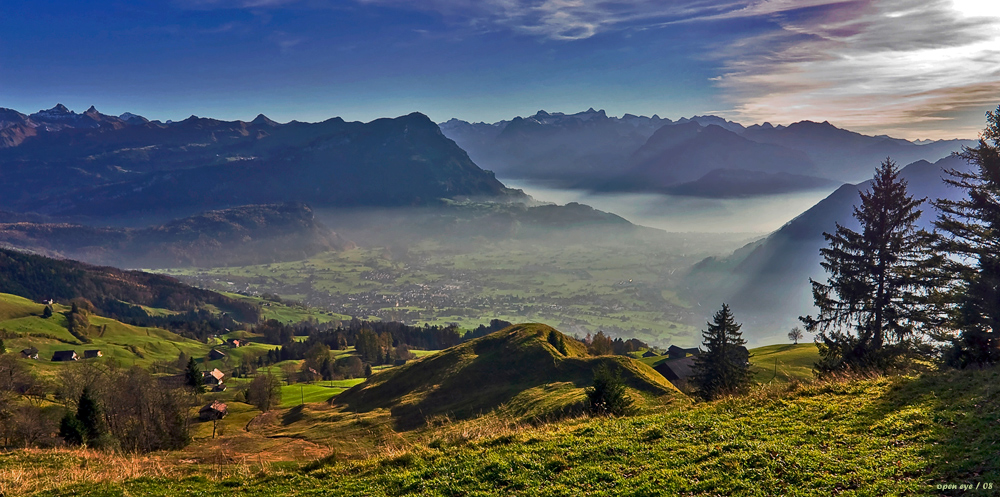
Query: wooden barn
215	410
65	355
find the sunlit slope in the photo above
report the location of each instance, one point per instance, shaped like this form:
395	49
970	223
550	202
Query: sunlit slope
23	327
785	362
860	437
516	369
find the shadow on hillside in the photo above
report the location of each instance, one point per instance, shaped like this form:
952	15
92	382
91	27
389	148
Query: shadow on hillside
292	415
953	417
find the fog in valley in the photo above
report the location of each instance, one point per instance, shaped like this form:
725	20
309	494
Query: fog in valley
757	215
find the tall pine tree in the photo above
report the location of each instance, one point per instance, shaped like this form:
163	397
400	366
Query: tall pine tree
872	303
723	367
970	304
193	377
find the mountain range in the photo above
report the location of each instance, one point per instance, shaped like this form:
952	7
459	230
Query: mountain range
93	166
705	156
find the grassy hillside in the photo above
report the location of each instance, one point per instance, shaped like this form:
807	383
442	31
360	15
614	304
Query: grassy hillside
773	363
853	437
23	324
517	369
785	362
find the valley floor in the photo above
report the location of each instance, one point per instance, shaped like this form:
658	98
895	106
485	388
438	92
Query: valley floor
862	436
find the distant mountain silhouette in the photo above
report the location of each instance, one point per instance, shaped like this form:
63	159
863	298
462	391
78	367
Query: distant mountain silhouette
554	146
848	156
250	234
705	156
767	283
60	163
683	153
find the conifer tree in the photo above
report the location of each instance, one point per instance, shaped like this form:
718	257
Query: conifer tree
724	365
71	430
969	304
89	414
193	377
607	395
871	306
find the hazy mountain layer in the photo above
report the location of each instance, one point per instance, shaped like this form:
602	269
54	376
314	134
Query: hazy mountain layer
111	290
244	235
704	156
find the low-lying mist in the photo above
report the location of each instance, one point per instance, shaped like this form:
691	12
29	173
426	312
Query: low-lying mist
674	213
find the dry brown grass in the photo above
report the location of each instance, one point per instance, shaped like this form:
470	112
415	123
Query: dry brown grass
68	466
26	471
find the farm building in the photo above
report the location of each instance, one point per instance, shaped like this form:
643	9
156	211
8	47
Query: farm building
30	353
677	369
215	410
92	354
213	377
235	342
675	352
650	353
65	355
215	354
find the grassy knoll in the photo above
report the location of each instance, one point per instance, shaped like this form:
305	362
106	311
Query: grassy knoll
518	370
783	363
854	437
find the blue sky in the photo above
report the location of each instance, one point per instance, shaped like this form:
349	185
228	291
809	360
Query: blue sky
909	68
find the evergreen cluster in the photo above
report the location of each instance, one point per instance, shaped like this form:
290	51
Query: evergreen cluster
891	286
87	425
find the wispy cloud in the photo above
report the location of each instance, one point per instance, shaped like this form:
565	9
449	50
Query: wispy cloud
285	41
564	19
905	67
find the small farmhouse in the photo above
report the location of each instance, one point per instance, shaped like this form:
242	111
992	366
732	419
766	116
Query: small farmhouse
92	354
65	355
650	353
30	353
215	410
213	377
215	354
